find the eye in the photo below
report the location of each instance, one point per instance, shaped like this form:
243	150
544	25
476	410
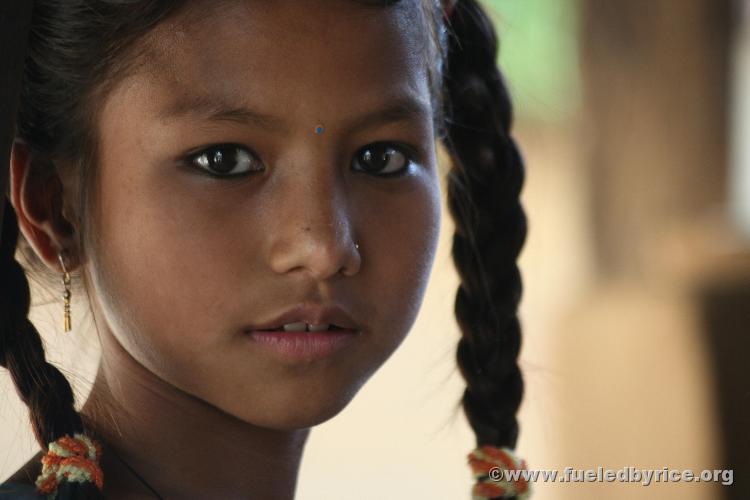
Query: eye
384	159
225	160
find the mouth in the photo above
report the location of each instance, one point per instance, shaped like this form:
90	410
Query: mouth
306	332
330	328
310	317
302	346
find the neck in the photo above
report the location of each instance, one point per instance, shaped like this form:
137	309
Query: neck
181	446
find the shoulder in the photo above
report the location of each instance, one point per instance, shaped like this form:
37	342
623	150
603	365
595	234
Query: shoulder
21	484
19	491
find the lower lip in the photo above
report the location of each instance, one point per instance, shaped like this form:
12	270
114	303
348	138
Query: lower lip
304	346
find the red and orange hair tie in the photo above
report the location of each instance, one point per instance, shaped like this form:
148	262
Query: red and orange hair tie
490	466
72	459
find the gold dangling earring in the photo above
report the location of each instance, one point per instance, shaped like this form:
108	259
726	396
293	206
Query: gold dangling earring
66	293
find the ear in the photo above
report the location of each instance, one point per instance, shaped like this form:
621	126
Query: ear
36	193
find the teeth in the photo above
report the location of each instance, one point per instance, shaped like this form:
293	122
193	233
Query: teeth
302	326
318	328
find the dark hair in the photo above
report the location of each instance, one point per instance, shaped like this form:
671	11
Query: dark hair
484	188
78	48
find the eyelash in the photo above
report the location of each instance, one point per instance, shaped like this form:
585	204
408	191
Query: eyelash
409	153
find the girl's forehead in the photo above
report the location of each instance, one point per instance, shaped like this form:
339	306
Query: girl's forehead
280	58
296	41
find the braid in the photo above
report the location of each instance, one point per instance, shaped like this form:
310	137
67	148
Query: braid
483	197
40	385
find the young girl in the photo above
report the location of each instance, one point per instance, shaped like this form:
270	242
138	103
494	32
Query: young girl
249	193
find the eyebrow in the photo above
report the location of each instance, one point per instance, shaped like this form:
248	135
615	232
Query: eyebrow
402	107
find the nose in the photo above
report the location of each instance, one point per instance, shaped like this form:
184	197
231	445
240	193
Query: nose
314	230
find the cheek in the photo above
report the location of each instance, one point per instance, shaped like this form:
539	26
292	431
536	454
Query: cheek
166	267
402	241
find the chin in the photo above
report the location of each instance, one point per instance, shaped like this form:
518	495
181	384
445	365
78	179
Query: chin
292	418
298	421
298	411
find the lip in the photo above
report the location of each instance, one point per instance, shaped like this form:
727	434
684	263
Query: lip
303	346
306	346
310	313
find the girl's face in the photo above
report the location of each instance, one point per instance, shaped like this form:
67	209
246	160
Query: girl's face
186	261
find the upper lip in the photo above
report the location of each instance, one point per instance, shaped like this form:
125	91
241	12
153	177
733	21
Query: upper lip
311	313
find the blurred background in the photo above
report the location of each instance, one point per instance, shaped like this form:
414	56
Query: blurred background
633	118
